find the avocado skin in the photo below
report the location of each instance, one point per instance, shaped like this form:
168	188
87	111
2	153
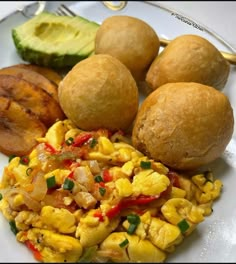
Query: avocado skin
27	48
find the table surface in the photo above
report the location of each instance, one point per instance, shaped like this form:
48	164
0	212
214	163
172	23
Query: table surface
216	15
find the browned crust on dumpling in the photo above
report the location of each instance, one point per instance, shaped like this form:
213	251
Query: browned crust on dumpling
184	125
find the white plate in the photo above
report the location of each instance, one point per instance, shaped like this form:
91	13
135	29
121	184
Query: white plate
214	240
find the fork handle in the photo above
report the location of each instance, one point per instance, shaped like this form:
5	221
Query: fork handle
230	57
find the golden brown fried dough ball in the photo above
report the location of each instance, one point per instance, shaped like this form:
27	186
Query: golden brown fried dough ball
184	125
189	58
99	92
129	39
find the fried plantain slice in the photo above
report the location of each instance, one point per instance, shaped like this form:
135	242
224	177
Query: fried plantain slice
18	128
50	74
33	77
32	97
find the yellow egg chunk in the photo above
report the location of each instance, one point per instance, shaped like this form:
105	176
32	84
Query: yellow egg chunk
55	134
61	220
124	187
150	183
52	247
136	250
92	233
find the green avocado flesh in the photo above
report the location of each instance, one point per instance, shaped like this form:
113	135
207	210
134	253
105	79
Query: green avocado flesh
55	41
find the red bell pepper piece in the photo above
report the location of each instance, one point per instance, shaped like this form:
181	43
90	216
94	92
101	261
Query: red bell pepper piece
127	202
101	184
167	192
81	139
50	148
114	211
36	252
98	214
71	175
67	163
174	181
106	176
174	178
142	199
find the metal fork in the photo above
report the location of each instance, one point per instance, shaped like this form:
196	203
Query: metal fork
64	10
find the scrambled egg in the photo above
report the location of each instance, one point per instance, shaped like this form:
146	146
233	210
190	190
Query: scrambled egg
91	196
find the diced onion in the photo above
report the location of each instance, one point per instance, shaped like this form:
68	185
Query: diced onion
28	200
40	187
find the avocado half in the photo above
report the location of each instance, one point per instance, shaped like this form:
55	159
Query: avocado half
55	41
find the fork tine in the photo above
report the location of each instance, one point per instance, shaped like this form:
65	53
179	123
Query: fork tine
60	13
64	10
